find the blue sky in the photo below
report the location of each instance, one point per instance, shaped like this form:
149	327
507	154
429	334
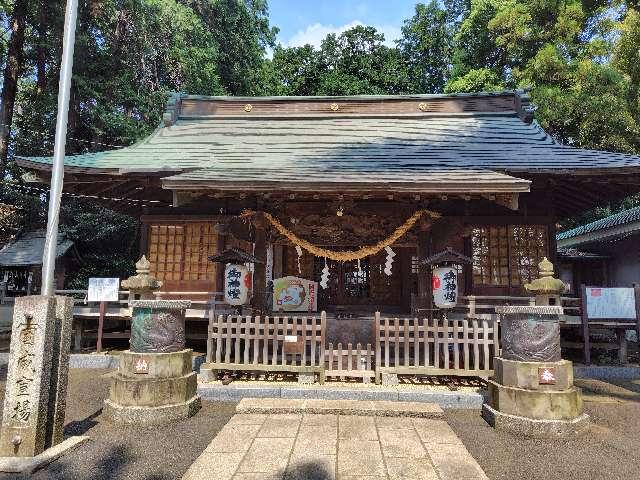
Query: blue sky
308	21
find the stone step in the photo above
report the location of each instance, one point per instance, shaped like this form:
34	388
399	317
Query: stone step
339	407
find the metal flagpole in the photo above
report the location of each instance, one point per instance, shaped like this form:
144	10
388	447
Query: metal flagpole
57	172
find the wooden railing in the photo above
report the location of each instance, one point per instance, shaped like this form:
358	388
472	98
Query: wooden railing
118	314
483	307
421	346
272	344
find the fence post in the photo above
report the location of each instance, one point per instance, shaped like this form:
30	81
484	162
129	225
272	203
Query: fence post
212	316
472	305
323	322
376	366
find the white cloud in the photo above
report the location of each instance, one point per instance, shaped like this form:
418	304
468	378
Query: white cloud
315	33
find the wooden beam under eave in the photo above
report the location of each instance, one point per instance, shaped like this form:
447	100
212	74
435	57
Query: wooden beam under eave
105	189
180	199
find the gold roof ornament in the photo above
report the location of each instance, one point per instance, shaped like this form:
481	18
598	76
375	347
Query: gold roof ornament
248	107
546	284
422	106
334	107
142	283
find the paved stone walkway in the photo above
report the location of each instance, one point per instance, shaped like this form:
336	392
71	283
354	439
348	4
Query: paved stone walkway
334	447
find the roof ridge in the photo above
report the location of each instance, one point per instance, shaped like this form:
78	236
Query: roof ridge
296	98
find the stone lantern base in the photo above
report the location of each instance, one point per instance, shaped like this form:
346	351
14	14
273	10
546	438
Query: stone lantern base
523	400
152	388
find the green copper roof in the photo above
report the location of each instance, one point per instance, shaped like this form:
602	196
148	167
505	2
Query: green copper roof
217	144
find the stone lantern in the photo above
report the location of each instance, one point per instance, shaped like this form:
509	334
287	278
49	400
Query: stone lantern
532	389
155	382
142	285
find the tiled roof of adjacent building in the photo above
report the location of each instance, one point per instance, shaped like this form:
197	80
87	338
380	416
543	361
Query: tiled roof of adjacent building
621	223
27	249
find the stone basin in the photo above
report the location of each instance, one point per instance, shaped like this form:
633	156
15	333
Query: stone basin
157	326
530	333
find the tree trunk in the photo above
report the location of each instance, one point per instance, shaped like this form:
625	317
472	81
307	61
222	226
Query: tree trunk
41	58
11	75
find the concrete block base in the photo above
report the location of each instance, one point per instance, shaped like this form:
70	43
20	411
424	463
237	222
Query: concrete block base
390	379
165	392
29	465
149	416
536	404
514	373
306	378
206	375
533	427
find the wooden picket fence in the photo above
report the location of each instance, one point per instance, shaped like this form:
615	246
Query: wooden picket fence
419	346
350	362
271	344
410	346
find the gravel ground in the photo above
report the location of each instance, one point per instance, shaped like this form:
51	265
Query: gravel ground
126	453
608	450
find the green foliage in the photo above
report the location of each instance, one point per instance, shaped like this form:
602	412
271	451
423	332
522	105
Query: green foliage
356	62
426	46
129	55
475	80
580	58
112	265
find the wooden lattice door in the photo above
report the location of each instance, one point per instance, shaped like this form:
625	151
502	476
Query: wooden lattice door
178	254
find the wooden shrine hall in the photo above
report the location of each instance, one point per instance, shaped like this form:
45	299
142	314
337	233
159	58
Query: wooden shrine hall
308	184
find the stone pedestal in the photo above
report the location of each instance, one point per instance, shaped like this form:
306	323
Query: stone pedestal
153	388
34	403
155	382
532	391
521	404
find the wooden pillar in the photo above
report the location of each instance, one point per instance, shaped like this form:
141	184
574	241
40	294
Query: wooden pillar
144	238
551	225
277	261
468	268
423	273
258	300
221	245
551	242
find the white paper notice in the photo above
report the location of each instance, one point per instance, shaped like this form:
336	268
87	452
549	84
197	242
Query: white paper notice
103	289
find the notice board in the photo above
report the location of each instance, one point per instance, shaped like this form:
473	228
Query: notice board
616	308
604	303
103	289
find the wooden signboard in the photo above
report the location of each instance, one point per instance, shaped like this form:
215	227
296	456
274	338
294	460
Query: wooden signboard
614	308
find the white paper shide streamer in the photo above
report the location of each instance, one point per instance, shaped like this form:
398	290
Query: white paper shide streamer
324	278
299	252
389	262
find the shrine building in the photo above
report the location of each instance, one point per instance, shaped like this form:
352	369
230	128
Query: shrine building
370	187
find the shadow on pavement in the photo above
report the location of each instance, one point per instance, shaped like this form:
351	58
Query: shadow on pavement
309	471
80	427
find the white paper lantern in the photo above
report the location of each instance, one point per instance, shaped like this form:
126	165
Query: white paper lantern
445	287
237	284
